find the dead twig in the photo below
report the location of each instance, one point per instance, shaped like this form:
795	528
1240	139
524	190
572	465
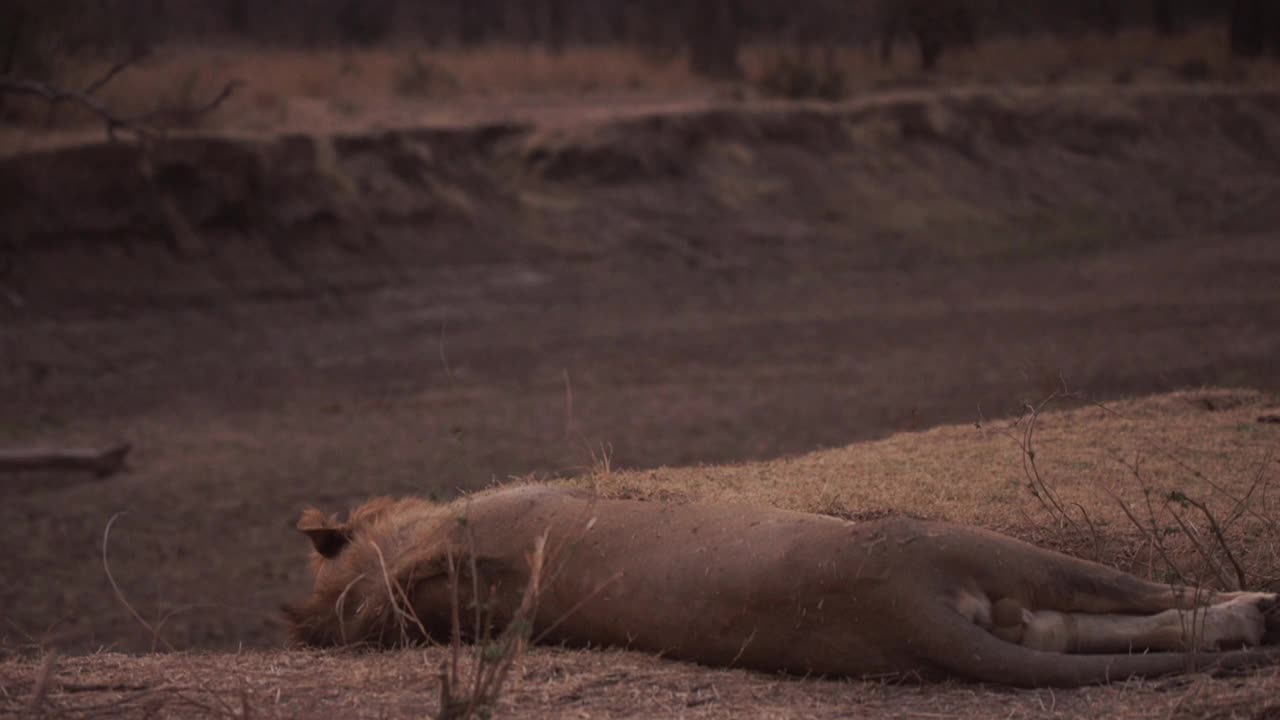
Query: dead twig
102	462
55	95
1040	487
175	115
1151	533
1218	535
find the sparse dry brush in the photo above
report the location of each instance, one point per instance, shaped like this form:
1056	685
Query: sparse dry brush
470	688
1193	529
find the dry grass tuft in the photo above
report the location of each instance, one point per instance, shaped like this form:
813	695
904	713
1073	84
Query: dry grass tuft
1255	699
471	689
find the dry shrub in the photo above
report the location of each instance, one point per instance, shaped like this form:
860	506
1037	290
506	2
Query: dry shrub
420	77
470	688
799	76
1198	538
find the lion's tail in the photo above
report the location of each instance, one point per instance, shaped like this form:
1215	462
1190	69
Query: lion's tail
984	657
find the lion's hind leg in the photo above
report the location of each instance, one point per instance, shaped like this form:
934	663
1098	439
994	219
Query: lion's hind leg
1235	623
1043	579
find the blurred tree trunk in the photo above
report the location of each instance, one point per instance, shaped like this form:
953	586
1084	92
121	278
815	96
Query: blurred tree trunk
557	26
930	51
618	23
1102	15
933	25
1255	28
660	25
1163	16
473	22
890	27
236	16
14	20
712	37
145	29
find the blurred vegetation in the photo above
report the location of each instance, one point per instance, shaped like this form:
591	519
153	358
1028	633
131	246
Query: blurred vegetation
36	35
800	76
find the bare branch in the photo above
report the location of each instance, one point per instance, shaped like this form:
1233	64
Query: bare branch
112	72
1220	537
1194	537
1040	488
1151	533
55	95
101	462
187	114
144	127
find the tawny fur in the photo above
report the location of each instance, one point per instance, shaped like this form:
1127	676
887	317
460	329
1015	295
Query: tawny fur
760	588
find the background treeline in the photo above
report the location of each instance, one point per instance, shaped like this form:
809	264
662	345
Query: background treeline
710	31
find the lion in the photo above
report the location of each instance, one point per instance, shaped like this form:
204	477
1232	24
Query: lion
760	588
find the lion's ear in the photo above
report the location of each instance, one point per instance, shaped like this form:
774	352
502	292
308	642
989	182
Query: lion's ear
327	541
327	536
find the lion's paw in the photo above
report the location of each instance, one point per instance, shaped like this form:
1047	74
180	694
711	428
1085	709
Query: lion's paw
1238	622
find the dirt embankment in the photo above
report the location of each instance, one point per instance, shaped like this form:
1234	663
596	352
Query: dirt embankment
885	182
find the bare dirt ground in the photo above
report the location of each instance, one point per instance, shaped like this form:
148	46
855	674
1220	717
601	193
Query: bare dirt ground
280	321
553	683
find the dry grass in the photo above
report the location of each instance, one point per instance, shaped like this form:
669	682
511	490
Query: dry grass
557	683
472	689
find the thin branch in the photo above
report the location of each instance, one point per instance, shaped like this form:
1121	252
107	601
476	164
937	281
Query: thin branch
1152	533
1219	536
15	37
143	127
1039	486
111	73
1193	536
187	114
53	95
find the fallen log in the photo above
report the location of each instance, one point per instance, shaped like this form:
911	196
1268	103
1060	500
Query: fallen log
102	462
